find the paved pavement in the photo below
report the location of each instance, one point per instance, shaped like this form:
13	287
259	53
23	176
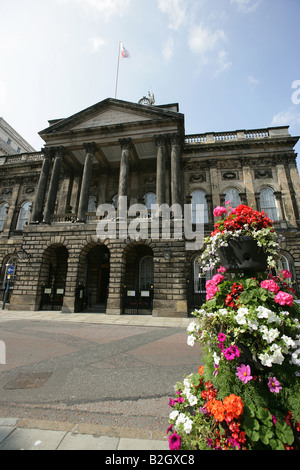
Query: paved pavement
27	433
22	434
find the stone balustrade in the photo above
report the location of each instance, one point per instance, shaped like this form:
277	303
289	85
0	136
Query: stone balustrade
211	137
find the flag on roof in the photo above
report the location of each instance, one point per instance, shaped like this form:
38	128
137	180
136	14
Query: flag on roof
124	52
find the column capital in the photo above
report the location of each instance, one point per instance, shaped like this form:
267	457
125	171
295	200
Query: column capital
126	144
59	151
175	138
160	140
90	147
48	152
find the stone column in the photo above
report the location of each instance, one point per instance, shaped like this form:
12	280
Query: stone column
295	185
278	197
214	183
86	181
210	209
52	193
123	177
286	195
160	170
175	168
37	215
249	187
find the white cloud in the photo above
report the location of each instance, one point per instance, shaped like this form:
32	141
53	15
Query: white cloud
289	117
246	6
253	81
201	39
168	48
223	62
97	42
176	11
106	8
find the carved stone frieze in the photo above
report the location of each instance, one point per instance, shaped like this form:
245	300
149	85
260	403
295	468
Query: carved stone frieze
198	178
263	173
230	175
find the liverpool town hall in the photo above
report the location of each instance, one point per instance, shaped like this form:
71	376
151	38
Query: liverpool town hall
55	251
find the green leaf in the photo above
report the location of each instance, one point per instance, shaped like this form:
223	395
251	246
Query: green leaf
265	434
276	444
263	414
284	433
253	435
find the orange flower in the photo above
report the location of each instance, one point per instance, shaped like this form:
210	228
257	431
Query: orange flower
233	407
216	408
201	370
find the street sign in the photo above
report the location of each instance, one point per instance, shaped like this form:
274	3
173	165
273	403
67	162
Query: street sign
10	270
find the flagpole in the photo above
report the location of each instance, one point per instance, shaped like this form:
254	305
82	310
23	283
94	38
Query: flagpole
117	77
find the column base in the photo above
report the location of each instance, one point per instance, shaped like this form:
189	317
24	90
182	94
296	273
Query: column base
113	311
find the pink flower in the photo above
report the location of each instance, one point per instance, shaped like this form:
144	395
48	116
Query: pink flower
174	441
221	269
274	385
221	337
211	291
286	274
244	373
270	285
231	353
219	210
217	279
283	298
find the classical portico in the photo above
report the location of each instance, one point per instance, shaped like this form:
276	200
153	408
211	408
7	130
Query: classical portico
139	148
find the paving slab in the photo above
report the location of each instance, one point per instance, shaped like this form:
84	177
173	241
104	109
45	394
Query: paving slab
142	444
88	442
32	439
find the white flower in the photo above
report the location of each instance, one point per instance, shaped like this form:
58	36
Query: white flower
288	341
295	357
272	318
174	414
253	324
192	400
263	312
181	419
243	311
240	318
265	359
269	335
192	327
188	424
277	357
223	311
191	340
216	358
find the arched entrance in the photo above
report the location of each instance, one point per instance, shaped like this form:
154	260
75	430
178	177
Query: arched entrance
53	275
93	278
138	287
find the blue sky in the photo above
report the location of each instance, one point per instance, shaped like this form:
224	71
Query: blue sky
230	64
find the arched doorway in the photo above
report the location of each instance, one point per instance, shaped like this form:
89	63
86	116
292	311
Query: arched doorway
93	278
53	275
138	288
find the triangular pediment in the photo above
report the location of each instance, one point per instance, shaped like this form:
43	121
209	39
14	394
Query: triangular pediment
111	112
111	117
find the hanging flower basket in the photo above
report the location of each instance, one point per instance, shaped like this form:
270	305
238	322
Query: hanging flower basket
242	240
243	254
247	394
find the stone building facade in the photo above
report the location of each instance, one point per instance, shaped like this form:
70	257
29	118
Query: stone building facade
66	233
